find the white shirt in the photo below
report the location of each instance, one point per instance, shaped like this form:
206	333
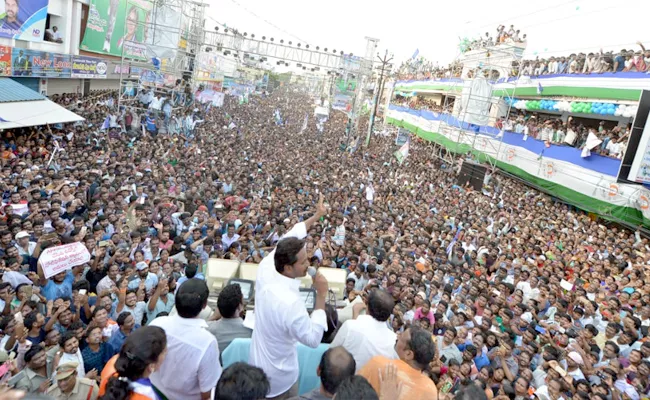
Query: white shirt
370	193
137	311
281	321
105	284
227	240
30	249
55	35
192	364
364	338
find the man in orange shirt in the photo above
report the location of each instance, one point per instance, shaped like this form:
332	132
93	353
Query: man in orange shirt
415	349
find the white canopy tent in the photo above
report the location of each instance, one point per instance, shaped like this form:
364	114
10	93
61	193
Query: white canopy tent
32	113
22	107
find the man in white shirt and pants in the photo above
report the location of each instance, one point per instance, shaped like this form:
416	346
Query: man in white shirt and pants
192	368
369	335
281	319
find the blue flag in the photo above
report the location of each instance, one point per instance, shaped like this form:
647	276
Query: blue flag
151	124
107	123
415	54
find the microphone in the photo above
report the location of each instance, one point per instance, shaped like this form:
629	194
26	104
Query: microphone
311	271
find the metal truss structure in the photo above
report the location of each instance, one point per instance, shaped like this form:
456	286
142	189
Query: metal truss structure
231	40
494	64
173	34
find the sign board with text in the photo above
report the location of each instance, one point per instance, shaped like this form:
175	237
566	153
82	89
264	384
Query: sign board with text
62	258
39	63
89	68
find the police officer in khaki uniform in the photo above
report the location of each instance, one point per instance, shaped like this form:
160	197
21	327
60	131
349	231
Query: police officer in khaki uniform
71	387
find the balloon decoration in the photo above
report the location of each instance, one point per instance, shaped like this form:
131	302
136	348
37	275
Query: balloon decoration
626	111
520	104
510	101
562	106
576	107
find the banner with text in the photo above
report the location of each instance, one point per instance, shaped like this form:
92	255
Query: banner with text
38	63
113	28
24	20
156	78
62	258
89	68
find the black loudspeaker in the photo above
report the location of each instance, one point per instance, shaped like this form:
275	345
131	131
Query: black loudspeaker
472	173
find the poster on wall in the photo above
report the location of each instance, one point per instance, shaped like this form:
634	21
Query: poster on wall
117	26
23	19
5	61
39	63
88	68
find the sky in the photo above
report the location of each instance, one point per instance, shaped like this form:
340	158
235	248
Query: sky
554	27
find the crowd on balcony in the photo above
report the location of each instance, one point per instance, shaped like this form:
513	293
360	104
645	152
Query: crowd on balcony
546	128
503	36
422	69
590	63
570	133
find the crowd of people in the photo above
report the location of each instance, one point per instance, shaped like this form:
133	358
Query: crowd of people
422	69
548	129
500	293
503	36
419	68
625	60
596	63
572	133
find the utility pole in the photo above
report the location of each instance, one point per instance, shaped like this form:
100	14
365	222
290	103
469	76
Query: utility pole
385	65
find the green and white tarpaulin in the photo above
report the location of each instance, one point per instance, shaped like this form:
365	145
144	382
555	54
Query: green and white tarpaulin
590	190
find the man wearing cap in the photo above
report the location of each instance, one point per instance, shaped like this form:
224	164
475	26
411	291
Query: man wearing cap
143	274
574	361
69	386
24	246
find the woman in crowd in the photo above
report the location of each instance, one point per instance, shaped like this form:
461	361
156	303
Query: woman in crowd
141	354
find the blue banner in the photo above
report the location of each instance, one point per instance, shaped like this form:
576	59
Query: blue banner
23	20
38	63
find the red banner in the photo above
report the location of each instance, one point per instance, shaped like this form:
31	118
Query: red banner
5	61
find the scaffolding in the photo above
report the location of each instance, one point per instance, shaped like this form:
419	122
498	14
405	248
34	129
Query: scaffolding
470	107
232	41
163	66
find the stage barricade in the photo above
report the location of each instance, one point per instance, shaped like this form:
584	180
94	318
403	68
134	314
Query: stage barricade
336	278
220	272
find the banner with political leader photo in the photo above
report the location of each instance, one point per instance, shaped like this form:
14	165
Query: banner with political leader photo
23	19
117	27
